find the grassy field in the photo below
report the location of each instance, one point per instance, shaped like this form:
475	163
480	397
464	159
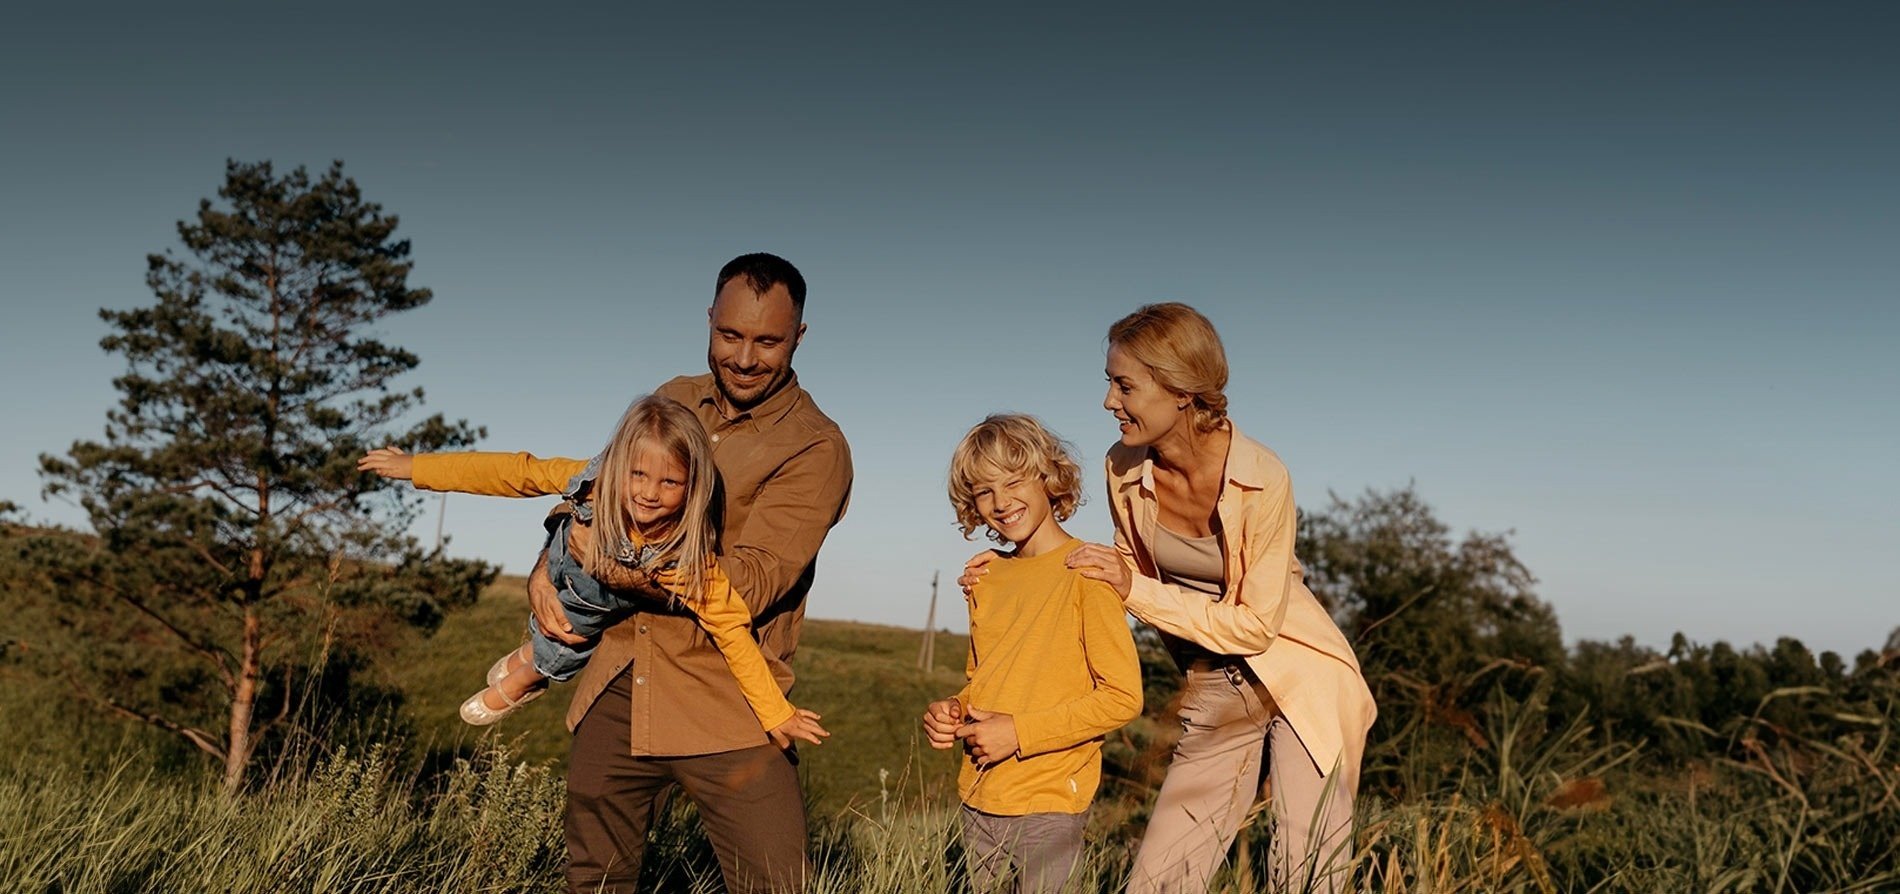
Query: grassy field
862	677
418	802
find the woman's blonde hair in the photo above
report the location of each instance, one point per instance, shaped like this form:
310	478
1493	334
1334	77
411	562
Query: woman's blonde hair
1012	443
694	538
1182	350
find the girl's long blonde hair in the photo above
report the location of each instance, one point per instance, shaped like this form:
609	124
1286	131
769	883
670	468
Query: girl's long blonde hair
694	538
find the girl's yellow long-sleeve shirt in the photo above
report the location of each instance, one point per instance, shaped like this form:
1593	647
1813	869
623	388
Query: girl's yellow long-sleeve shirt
720	611
1052	649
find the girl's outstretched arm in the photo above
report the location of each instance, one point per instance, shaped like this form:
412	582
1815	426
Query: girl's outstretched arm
475	472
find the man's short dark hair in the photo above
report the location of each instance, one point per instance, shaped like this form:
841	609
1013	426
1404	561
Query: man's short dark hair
763	271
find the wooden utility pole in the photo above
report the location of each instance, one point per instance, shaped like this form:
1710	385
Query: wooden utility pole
927	653
441	516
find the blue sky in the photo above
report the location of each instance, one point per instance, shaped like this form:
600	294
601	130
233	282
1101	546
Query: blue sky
1621	278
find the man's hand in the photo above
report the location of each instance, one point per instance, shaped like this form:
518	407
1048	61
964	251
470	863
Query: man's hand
545	602
672	581
389	462
803	725
1097	562
941	720
974	569
991	737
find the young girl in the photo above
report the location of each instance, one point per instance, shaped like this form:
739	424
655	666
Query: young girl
656	479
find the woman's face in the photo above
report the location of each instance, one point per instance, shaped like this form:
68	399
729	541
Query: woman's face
1147	412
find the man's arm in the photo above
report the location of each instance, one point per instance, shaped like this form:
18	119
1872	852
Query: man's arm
724	618
794	511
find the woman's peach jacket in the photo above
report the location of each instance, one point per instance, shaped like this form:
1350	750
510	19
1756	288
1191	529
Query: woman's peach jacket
1266	613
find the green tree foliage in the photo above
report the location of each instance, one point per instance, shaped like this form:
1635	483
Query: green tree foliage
1437	622
1412	599
237	549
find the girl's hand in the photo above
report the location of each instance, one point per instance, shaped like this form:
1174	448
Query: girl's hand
803	725
1097	562
974	570
941	720
389	462
991	737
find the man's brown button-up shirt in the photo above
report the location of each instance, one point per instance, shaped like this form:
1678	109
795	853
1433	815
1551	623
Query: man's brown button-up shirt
785	476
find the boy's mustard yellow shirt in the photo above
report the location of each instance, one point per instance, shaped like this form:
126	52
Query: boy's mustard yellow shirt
722	614
1052	649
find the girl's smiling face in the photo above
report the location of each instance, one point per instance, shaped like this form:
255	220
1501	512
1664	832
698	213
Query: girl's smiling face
655	486
1147	411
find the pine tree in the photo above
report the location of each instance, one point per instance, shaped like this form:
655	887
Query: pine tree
236	542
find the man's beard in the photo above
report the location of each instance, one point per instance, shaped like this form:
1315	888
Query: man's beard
752	396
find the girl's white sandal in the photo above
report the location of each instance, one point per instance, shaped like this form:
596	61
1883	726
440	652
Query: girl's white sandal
500	668
477	713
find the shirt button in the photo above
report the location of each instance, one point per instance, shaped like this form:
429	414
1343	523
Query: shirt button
715	439
643	628
639	681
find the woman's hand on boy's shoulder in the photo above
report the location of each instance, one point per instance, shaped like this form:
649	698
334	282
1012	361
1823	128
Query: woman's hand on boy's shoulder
1097	562
974	569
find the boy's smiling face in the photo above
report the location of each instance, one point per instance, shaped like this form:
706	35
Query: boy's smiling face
1015	504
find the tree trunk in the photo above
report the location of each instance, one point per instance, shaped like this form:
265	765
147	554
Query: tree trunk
243	703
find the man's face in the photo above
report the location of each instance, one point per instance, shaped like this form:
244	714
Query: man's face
753	338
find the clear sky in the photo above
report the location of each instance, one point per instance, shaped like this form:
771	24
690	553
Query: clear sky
1622	278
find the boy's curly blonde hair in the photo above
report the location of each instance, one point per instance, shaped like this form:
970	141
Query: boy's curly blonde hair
1012	443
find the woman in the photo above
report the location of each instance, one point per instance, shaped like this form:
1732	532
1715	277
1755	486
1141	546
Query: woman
1204	527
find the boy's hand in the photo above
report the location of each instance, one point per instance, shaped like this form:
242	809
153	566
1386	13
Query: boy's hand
545	602
991	737
389	462
941	720
974	570
803	725
1097	562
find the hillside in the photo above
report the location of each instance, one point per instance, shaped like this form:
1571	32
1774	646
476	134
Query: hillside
862	677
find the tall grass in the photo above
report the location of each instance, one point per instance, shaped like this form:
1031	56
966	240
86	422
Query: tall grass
1541	812
1517	797
354	824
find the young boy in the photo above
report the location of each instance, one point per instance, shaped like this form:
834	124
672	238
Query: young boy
1051	670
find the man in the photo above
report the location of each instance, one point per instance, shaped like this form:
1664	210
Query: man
657	706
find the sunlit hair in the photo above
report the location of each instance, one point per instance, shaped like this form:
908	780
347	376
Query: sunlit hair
692	538
1183	352
1012	444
